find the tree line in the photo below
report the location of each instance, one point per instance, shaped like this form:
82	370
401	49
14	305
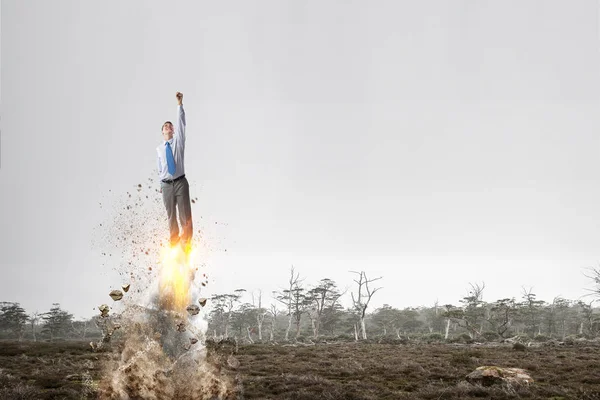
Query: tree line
311	312
56	323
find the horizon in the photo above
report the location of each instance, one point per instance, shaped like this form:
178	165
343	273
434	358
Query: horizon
432	144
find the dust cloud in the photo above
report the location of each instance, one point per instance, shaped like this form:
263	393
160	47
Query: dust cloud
153	326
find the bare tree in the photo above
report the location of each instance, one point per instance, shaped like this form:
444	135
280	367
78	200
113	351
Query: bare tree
289	297
250	331
34	318
273	311
472	315
260	313
587	318
362	299
448	320
595	276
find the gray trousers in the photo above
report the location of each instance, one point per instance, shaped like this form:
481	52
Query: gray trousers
177	195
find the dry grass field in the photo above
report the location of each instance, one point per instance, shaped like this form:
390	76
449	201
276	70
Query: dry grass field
345	370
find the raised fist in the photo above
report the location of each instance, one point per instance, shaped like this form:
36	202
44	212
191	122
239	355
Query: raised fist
179	96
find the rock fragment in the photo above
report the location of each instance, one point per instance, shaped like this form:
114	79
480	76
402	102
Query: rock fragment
233	362
193	309
104	309
116	295
489	375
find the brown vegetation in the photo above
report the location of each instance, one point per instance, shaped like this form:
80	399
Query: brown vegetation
351	370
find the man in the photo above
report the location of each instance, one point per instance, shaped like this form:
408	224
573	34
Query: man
174	185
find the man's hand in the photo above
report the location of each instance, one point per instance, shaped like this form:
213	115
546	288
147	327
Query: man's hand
179	96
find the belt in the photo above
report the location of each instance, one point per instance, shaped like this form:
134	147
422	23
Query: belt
173	180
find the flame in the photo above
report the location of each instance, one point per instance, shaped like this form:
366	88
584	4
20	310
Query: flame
176	276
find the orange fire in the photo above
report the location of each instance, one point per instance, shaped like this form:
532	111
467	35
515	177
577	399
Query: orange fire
176	276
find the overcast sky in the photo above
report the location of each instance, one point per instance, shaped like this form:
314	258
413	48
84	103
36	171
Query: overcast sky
432	143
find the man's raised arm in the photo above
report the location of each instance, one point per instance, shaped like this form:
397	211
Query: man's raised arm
180	123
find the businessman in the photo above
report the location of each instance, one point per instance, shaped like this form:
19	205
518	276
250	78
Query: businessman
174	185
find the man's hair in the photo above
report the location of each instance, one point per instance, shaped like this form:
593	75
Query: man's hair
163	125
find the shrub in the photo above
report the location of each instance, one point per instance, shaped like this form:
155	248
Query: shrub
570	340
344	338
490	336
460	358
541	338
49	381
462	338
18	391
434	337
301	339
324	338
391	340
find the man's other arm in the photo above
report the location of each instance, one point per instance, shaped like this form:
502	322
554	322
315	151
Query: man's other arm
158	164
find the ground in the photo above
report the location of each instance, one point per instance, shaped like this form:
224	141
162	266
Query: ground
70	370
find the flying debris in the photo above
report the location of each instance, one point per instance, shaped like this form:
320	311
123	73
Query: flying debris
126	287
181	327
193	309
104	309
193	340
105	339
116	295
202	301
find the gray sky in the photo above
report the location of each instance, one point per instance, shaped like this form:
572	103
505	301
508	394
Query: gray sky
433	143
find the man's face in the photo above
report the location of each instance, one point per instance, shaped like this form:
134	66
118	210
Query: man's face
167	131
